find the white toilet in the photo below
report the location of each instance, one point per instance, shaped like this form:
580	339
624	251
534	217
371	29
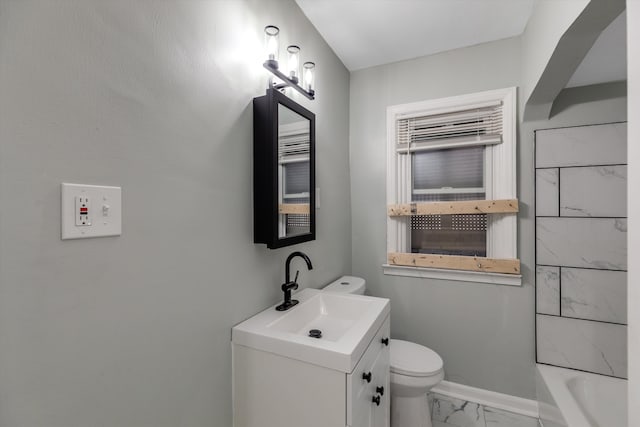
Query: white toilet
415	369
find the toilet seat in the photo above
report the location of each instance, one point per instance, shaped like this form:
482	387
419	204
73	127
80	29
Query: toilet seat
415	360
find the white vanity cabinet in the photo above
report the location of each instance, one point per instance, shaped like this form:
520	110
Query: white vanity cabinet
368	384
271	390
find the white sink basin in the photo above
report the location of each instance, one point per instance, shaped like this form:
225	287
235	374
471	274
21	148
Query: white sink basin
332	314
348	323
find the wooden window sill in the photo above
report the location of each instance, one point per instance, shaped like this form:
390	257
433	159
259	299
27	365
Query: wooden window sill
457	275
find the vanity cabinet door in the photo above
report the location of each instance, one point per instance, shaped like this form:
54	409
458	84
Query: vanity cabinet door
371	372
381	414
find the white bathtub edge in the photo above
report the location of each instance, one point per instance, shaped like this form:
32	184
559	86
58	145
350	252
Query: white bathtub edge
506	402
550	413
554	379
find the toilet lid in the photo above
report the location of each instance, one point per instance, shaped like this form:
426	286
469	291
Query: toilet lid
408	358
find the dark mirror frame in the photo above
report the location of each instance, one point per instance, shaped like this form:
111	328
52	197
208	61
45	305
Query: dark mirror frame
265	170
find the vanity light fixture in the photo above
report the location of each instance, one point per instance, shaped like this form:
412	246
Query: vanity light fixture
308	69
271	42
293	52
292	78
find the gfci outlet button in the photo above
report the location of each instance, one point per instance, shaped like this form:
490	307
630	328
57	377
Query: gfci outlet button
81	210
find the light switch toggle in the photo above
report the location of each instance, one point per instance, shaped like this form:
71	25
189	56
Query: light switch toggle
105	210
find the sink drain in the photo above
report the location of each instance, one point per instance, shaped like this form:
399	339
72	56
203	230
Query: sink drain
315	333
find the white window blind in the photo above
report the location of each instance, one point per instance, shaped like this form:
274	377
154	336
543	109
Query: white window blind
293	148
481	125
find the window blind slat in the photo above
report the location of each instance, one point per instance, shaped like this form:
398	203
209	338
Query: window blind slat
467	127
462	141
447	110
292	145
455	116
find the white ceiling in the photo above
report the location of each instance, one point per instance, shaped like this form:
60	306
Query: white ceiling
365	33
607	59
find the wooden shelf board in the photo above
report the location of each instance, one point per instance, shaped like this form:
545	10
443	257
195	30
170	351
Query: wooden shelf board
454	262
294	208
451	208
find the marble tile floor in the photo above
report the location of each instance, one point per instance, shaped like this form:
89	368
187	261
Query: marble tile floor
450	412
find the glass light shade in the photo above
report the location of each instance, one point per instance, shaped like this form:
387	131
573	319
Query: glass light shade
308	69
271	42
294	62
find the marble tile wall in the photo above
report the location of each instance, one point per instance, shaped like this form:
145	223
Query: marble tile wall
594	295
547	195
582	242
548	289
582	146
599	191
581	252
597	347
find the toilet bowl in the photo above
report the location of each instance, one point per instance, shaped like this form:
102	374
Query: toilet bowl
415	369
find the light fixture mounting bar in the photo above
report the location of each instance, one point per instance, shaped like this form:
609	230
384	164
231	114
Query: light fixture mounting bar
287	81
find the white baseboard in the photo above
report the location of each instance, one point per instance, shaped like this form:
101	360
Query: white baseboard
493	399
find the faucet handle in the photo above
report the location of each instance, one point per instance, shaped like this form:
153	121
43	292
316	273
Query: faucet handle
295	280
289	286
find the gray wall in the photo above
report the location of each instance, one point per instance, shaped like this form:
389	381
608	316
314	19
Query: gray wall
154	97
484	333
548	22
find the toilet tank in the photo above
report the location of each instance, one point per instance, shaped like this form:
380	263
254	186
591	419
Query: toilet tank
347	285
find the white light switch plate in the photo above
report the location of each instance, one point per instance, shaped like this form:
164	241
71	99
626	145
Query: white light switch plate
104	215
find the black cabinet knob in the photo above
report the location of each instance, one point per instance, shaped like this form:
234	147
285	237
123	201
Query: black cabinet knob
366	376
376	400
385	341
380	390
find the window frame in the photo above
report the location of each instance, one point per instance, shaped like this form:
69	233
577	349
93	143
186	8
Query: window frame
500	183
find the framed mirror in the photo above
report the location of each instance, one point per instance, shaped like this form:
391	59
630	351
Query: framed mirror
284	171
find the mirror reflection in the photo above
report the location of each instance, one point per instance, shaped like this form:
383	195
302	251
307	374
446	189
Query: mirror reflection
293	173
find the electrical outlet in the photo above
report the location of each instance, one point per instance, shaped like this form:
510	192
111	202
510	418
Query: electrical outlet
82	211
90	211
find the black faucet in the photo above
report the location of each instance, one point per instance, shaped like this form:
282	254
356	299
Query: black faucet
289	285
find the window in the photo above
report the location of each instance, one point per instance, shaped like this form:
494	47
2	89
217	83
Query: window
452	174
453	150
